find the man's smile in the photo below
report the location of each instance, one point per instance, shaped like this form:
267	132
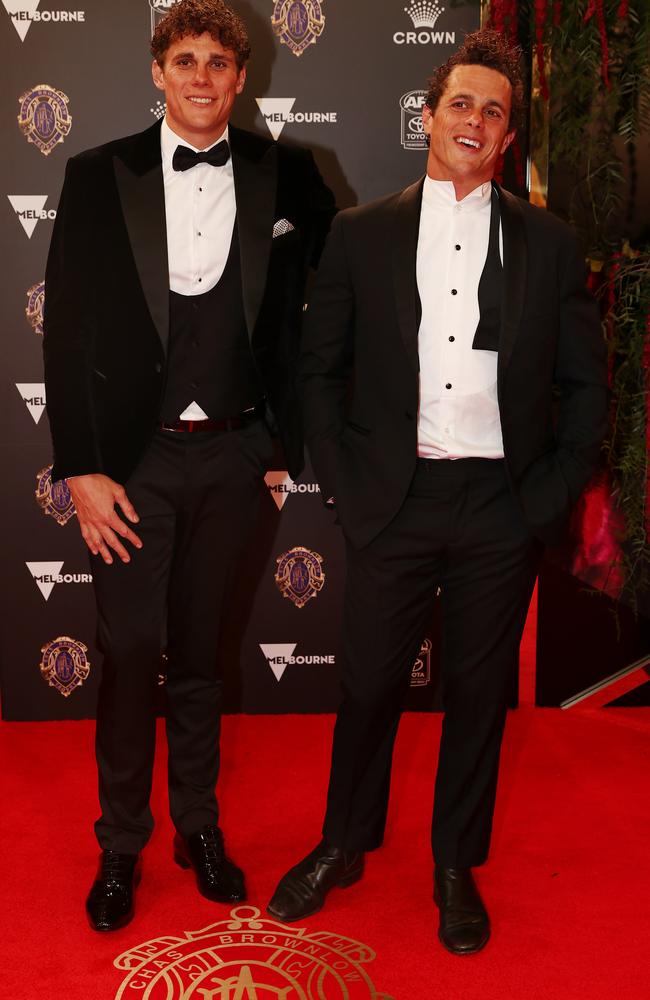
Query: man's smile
464	140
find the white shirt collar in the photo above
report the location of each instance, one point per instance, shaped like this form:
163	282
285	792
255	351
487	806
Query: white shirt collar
169	141
441	196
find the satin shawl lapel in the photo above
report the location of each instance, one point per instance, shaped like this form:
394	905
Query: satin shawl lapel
515	265
256	179
406	225
139	177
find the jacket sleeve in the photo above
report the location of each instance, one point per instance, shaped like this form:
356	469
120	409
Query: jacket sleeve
68	330
326	359
580	374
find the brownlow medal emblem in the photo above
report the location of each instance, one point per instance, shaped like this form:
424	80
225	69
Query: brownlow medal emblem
248	958
300	575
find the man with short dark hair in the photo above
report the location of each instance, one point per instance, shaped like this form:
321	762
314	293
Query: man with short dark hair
441	320
174	296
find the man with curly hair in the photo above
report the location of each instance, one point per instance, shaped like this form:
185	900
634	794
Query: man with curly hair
175	289
441	321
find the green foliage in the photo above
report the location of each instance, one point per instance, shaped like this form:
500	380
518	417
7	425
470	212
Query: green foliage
627	443
589	120
586	115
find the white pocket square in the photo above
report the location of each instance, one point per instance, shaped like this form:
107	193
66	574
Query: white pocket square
281	227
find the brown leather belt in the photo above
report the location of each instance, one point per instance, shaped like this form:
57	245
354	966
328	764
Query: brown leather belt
205	426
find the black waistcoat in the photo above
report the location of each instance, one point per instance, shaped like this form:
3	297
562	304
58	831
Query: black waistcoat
209	357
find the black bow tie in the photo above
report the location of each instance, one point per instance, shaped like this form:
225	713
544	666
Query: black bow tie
185	158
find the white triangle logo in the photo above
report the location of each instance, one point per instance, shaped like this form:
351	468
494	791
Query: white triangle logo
45	574
276	481
28	207
16	8
33	396
278	655
275	112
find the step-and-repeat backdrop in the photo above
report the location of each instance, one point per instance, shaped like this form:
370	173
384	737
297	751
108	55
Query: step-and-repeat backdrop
346	78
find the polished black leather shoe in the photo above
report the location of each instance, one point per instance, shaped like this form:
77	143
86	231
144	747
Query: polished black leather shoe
464	923
110	901
217	878
303	889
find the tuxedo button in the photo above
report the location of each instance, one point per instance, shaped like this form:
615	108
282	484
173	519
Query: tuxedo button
458	246
194	385
448	386
454	291
451	340
408	415
157	367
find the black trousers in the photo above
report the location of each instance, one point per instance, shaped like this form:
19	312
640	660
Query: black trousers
459	529
197	498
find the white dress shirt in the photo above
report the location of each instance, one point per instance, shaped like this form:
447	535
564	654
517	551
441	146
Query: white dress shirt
458	415
200	211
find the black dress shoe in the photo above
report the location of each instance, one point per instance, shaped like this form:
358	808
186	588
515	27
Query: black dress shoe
110	901
464	923
303	889
217	878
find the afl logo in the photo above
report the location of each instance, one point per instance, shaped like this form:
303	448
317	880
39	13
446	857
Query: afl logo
44	118
246	958
300	575
413	134
158	10
421	670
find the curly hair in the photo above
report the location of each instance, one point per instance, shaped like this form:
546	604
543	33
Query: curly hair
194	17
486	48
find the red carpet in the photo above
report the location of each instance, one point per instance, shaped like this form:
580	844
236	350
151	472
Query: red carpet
567	883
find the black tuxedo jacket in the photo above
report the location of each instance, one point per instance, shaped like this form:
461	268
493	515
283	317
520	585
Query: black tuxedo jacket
107	281
359	365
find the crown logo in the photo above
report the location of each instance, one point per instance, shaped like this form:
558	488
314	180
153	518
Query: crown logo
159	110
424	13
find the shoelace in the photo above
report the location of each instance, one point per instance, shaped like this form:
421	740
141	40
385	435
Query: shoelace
115	867
213	852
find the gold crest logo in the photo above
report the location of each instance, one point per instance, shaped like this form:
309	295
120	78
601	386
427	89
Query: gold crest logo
298	23
300	575
246	958
64	665
54	499
44	118
35	303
